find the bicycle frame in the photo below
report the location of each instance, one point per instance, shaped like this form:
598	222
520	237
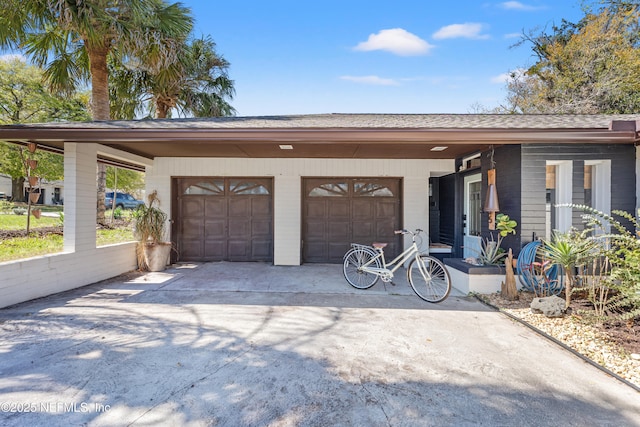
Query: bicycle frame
397	262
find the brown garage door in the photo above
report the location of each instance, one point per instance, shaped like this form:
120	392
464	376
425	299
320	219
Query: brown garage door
339	211
223	219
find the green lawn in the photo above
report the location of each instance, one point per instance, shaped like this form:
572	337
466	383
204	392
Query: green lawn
19	222
26	247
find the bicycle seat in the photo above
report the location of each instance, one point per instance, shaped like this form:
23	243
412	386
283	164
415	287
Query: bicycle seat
378	245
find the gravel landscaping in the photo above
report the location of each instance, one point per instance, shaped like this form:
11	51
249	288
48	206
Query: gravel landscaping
614	345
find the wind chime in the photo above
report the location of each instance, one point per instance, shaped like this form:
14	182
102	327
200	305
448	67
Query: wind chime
491	205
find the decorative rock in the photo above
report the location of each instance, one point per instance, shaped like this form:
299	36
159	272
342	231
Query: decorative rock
552	306
635	356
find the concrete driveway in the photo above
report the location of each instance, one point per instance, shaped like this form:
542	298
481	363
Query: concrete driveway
226	344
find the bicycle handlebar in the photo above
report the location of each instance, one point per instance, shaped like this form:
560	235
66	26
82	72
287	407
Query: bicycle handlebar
404	231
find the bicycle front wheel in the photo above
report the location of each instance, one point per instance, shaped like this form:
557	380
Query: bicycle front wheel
354	259
429	278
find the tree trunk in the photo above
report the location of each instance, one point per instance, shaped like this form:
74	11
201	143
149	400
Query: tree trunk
509	290
162	109
568	288
102	188
99	81
17	189
100	109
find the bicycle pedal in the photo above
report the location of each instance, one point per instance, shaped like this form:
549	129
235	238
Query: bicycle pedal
393	284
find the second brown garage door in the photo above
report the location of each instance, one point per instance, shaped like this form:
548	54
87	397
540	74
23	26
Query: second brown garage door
223	219
339	211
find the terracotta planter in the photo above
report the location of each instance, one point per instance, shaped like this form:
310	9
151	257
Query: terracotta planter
34	197
37	213
33	181
33	164
157	255
32	146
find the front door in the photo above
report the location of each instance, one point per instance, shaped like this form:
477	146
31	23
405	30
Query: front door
472	215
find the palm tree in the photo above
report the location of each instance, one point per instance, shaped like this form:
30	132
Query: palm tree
73	40
196	84
569	250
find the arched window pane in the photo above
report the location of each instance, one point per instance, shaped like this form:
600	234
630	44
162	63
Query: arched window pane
330	189
372	189
209	188
237	186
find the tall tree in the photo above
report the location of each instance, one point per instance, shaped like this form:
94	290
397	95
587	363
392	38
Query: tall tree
589	67
24	99
196	84
124	180
73	40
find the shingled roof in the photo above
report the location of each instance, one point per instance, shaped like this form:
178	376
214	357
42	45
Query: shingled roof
332	135
362	121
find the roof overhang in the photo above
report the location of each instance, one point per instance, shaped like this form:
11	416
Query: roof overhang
314	143
330	136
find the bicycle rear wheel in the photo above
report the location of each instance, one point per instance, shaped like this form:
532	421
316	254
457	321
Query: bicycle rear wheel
429	278
353	260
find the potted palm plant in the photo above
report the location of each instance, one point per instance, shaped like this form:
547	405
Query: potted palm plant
150	224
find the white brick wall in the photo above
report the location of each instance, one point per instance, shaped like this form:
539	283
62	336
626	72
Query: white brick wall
31	278
287	174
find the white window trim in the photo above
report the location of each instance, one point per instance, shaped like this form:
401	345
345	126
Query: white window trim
601	187
564	193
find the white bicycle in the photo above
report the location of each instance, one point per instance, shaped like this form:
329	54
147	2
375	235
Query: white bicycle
364	265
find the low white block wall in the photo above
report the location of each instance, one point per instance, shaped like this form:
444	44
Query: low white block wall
27	279
480	283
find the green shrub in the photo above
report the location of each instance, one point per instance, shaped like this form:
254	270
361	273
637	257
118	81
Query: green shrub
622	249
5	206
118	213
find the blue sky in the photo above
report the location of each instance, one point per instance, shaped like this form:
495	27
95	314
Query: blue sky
355	56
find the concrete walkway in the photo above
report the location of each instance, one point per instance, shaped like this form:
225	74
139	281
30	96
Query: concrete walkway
234	344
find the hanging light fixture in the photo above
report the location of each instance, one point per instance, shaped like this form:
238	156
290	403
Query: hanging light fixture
491	204
491	201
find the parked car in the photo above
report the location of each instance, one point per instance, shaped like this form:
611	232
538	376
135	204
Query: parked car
123	200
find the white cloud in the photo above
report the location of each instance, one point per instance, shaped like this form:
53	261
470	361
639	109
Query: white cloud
512	35
371	80
509	76
469	30
502	78
397	41
516	5
12	57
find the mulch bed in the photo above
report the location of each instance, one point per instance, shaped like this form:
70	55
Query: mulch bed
624	333
44	231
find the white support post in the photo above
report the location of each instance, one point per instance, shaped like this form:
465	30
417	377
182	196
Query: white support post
80	196
287	203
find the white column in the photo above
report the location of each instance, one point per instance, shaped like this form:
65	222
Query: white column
416	207
286	222
80	196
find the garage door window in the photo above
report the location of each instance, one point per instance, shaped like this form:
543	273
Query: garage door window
247	187
207	188
330	189
372	189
